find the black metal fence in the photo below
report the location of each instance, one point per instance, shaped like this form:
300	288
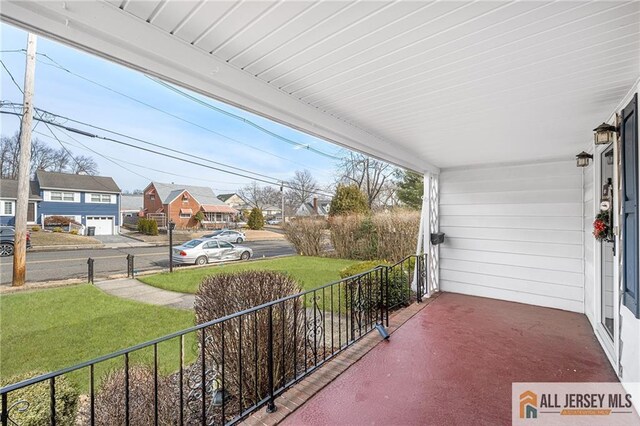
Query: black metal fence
221	371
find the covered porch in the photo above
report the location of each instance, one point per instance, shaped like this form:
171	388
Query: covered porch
490	102
412	379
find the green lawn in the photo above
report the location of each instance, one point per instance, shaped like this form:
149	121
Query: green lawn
46	330
310	272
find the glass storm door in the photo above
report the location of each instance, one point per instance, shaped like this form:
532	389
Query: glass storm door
607	247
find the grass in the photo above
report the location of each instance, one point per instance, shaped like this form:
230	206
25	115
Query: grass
41	238
50	329
310	272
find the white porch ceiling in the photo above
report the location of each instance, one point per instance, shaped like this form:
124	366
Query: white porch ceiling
422	84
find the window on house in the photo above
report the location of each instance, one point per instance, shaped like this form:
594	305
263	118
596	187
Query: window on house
7	208
152	197
185	198
62	196
100	198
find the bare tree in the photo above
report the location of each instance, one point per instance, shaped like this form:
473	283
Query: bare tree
43	157
260	196
370	175
300	188
83	165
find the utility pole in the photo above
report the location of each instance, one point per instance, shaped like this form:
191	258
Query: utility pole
22	198
282	192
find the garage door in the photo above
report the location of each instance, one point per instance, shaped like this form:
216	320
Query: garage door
103	224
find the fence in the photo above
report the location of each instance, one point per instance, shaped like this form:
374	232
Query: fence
220	371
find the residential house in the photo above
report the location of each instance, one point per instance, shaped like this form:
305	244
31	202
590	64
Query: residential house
314	208
131	206
271	212
92	201
8	196
180	204
234	200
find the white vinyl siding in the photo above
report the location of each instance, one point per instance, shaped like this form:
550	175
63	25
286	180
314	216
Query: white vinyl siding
514	233
62	196
100	198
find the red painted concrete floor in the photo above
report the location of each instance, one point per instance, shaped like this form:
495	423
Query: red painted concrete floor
454	362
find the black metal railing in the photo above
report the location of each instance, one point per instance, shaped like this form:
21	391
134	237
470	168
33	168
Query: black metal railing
221	371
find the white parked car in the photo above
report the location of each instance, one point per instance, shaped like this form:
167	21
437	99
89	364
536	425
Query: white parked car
203	251
227	235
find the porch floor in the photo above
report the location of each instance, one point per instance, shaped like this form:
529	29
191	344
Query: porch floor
455	359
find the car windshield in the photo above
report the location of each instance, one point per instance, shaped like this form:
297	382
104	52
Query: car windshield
192	243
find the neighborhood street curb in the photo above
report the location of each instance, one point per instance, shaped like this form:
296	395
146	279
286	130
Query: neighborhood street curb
67	247
38	285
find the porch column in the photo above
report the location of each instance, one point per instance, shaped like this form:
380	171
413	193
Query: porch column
433	253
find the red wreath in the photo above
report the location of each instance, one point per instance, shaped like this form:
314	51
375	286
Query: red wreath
601	228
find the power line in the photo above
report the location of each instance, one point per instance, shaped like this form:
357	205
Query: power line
140	140
269	180
83	146
242	119
57	65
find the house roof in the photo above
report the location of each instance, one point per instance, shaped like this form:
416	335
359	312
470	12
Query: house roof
131	202
169	191
208	208
225	197
9	189
54	180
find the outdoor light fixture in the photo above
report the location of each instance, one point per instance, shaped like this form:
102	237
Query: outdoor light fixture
582	159
603	134
383	331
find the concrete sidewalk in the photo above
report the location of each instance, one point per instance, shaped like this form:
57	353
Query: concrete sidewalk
132	289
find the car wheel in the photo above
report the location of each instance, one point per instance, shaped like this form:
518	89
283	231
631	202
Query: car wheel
245	255
202	260
6	249
239	240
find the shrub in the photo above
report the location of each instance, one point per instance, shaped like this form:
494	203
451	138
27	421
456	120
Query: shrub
224	294
59	221
348	200
57	229
74	232
256	219
385	235
35	229
38	410
306	235
199	217
400	276
110	399
147	226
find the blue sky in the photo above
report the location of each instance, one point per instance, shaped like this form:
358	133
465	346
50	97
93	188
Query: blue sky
65	94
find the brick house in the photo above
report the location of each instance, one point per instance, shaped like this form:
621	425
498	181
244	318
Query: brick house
180	203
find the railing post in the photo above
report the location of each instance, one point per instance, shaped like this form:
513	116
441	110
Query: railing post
5	414
420	281
90	270
130	271
386	280
382	301
271	405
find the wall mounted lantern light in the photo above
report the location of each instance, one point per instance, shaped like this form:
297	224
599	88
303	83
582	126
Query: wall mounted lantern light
603	134
582	159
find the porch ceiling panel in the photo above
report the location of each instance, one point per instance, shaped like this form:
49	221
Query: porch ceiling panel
417	83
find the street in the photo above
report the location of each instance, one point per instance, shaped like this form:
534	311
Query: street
61	265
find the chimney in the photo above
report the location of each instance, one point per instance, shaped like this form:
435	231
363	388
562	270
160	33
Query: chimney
315	205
